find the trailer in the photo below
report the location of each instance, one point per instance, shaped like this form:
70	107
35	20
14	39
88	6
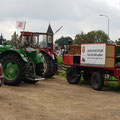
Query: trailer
97	62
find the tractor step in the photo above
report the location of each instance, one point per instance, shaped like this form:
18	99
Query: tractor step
35	78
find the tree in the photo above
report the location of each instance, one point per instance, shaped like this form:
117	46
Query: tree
80	38
2	40
62	41
117	41
92	37
15	39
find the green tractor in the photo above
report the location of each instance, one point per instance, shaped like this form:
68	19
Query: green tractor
21	64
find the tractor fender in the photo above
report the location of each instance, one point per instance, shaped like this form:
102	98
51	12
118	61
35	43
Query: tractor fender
38	58
51	55
14	52
54	53
23	57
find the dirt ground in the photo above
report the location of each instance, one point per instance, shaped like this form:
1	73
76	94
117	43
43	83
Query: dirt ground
55	99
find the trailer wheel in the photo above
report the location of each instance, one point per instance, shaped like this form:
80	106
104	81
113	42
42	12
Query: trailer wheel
97	81
71	76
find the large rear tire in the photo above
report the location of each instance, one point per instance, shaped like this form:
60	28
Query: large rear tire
97	81
47	66
71	76
13	69
55	67
39	69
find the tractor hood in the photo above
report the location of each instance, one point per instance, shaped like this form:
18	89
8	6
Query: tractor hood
27	53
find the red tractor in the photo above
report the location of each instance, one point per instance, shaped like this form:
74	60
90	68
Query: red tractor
44	43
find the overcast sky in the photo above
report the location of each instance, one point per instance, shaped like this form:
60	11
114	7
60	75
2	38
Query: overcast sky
74	15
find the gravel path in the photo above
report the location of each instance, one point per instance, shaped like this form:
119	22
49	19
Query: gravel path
55	99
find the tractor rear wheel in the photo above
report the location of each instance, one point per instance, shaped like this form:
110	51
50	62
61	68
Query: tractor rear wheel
55	67
47	66
39	69
13	69
72	77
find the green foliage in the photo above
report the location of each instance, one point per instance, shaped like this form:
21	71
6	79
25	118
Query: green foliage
15	39
2	40
117	41
113	84
8	42
92	37
62	41
80	38
60	60
62	73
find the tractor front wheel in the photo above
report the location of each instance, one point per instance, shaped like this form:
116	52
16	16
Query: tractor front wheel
13	69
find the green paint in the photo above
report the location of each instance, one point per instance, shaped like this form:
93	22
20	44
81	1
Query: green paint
10	70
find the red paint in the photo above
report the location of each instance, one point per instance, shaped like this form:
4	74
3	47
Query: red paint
106	82
68	60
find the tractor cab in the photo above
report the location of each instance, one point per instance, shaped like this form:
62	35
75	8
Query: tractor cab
44	43
37	40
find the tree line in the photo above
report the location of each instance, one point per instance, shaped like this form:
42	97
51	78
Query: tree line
90	37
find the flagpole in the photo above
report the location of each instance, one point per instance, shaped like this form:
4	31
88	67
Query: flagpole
24	26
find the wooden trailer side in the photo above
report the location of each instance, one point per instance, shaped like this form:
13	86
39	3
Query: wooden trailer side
110	56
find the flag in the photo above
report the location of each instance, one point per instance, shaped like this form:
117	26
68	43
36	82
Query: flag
20	24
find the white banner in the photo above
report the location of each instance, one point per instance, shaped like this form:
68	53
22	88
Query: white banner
20	24
93	54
